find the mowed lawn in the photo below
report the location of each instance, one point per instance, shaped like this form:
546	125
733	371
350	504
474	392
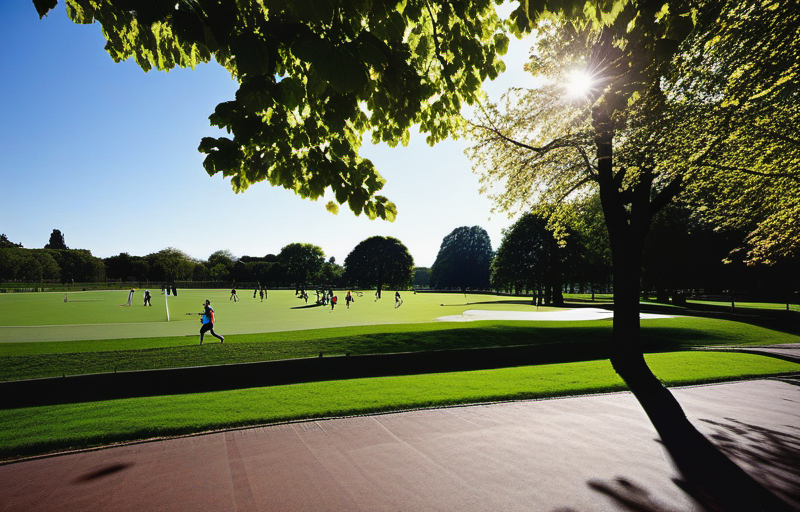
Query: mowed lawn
282	327
94	315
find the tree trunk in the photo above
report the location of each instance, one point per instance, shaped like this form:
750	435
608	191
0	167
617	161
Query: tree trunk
709	476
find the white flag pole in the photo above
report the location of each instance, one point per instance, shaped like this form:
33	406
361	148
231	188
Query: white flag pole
166	303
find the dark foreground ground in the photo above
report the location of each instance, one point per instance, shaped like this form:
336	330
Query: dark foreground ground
569	454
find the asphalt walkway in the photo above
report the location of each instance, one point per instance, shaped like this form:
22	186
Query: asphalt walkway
591	453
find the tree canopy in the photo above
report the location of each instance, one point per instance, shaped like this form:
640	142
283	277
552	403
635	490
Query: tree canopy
463	260
678	118
300	262
314	77
56	241
379	261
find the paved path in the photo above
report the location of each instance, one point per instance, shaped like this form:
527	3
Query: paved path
581	454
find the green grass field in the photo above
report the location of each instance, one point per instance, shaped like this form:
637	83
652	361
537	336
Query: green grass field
41	335
98	315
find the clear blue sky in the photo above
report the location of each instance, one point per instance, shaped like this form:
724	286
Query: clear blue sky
108	154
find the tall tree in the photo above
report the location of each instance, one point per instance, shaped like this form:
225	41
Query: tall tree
531	258
301	262
56	241
463	260
641	137
379	261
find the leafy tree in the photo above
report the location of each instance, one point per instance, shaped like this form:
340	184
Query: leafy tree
9	263
331	274
314	77
463	260
5	243
530	258
224	257
127	267
221	264
29	265
300	262
79	265
589	263
170	264
640	138
379	261
422	277
56	241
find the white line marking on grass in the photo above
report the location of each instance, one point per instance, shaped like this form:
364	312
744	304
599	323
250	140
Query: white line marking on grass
473	315
79	325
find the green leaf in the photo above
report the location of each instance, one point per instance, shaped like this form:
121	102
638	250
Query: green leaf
314	11
251	54
347	74
332	207
44	6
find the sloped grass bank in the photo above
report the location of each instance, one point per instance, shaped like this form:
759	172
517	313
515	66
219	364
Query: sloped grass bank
37	430
53	359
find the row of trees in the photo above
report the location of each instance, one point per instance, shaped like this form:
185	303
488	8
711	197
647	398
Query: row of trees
375	262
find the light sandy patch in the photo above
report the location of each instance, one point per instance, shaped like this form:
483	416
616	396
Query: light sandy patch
473	315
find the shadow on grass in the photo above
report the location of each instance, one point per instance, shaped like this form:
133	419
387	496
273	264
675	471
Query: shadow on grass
553	345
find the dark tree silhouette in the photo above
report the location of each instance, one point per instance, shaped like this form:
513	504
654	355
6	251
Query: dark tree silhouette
300	262
463	260
56	241
530	257
379	261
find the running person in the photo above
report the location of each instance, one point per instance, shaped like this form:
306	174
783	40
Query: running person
397	299
208	320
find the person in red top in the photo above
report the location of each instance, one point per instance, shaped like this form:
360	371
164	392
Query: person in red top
208	320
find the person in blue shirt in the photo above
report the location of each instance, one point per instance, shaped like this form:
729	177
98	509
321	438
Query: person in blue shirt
208	319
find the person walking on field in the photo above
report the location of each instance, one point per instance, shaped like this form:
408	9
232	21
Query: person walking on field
348	298
208	319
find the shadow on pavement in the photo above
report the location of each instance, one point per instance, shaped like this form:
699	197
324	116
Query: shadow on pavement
102	472
770	456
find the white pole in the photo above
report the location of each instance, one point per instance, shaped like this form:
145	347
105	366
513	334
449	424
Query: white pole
167	305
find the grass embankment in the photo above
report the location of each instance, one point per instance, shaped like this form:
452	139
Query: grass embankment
35	430
54	359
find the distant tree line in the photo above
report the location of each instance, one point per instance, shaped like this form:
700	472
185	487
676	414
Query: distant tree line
682	256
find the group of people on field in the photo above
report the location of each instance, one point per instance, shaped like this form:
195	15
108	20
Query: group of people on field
324	297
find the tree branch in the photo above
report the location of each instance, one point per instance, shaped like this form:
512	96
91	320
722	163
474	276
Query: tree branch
554	144
439	56
666	195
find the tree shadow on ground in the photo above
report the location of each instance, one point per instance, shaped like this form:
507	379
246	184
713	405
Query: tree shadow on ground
772	457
